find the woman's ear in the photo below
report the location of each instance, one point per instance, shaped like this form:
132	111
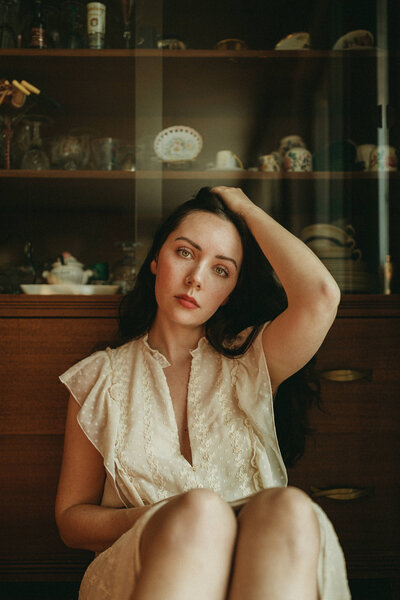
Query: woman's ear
153	266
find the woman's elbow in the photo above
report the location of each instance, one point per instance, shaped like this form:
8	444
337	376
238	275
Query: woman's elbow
332	292
329	298
65	527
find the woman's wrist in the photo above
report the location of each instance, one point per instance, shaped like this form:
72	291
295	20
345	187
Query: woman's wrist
236	200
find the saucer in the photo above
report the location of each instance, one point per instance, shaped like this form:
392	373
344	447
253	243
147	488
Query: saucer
226	169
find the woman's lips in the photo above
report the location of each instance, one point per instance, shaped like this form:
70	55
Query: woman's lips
187	301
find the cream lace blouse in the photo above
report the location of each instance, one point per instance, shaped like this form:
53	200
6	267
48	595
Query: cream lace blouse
127	414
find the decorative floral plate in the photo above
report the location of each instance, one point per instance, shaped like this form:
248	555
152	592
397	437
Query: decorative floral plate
178	143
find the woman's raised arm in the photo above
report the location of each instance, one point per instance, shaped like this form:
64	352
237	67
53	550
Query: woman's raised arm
313	295
81	521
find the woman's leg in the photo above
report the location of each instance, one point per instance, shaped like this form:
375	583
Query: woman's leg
187	548
277	548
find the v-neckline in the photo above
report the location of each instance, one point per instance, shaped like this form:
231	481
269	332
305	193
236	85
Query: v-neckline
164	363
174	419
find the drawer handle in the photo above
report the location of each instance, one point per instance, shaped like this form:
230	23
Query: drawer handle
345	375
342	493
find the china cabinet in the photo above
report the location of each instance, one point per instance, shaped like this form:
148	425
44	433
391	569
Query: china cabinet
245	100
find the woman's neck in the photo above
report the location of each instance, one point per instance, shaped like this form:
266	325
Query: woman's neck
174	341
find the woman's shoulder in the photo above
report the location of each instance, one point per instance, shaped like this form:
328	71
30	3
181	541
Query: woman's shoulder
101	360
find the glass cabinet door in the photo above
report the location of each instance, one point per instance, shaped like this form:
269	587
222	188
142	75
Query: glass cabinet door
297	103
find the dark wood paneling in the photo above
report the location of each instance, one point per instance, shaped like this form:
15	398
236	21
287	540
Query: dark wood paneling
34	352
30	545
37	351
356	442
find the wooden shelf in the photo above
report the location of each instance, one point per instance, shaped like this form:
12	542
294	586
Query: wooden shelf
65	174
196	53
190	174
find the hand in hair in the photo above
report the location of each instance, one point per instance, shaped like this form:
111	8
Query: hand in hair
234	198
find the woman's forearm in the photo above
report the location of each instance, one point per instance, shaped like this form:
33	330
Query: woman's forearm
95	528
301	273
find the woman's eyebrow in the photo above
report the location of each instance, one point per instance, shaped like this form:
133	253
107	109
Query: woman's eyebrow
199	248
188	240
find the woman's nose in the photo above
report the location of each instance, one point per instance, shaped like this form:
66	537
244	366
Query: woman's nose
193	280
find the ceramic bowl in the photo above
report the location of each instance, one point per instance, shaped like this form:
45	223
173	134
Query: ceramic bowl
355	40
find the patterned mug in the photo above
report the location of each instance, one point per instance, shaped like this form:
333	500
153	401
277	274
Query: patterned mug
269	162
297	159
383	158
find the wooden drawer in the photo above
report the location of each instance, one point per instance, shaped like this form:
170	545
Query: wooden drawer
356	442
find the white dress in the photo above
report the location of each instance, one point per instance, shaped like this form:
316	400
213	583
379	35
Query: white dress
127	414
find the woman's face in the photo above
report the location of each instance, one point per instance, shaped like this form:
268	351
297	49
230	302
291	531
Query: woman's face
197	269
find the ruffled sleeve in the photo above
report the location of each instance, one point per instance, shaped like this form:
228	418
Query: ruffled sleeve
89	382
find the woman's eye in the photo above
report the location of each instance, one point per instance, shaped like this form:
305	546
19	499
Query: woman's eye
222	271
184	252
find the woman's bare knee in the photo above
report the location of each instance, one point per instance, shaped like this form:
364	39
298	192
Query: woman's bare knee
288	513
195	519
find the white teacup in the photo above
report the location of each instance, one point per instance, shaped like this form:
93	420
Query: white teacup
297	159
383	158
269	162
290	141
226	159
364	154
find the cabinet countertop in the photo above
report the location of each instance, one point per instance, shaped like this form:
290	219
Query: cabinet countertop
25	306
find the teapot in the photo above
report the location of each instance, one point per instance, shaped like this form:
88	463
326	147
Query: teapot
67	270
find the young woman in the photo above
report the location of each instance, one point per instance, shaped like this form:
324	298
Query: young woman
166	430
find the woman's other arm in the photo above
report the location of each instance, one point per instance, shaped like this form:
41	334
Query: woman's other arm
313	295
81	521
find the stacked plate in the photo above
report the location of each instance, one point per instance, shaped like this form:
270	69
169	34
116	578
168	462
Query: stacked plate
46	289
336	248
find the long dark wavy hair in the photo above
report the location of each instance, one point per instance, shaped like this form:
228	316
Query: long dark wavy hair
243	310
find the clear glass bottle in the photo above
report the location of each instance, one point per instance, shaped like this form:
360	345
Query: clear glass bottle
124	271
35	157
53	24
8	38
74	23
